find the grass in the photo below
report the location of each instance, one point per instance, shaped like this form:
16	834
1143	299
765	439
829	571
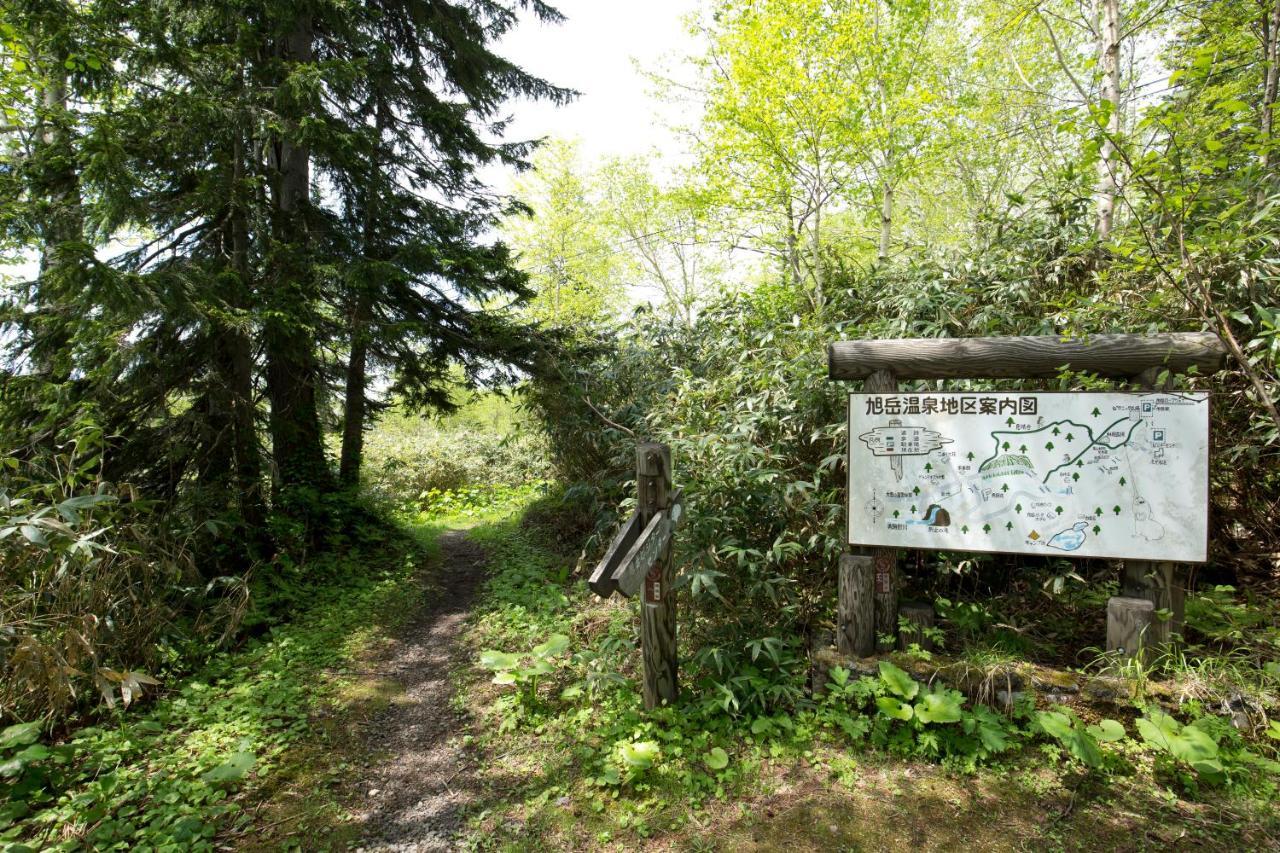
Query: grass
794	786
241	752
256	750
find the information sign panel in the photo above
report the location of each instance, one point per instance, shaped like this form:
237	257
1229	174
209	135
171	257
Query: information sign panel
1117	475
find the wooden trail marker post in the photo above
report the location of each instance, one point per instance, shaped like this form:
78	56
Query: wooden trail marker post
640	560
871	571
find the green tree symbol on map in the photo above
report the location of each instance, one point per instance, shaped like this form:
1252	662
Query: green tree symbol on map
1009	422
896	513
1097	510
1057	431
1076	476
1006	446
1048	445
1018	508
986	528
964	529
915	490
1096	412
1096	530
928	466
1009	526
1058	510
1116	509
913	509
1022	449
970	456
1070	437
1079	463
1122	481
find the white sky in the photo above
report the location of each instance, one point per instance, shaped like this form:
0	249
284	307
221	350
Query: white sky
596	51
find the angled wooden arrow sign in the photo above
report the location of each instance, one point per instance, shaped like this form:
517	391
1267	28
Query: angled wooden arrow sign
643	556
601	580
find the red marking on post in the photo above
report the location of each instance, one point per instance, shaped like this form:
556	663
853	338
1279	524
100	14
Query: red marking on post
653	585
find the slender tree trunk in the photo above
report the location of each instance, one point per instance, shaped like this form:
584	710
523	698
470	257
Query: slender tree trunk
815	248
1109	59
293	372
355	406
1271	56
886	221
239	377
792	259
63	225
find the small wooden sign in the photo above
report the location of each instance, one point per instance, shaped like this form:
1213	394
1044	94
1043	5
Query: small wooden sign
601	580
643	556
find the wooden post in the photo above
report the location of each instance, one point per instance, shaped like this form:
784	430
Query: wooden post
856	634
885	560
658	610
920	616
1129	622
1161	582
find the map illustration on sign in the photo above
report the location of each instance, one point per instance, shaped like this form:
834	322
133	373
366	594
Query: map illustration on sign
1069	474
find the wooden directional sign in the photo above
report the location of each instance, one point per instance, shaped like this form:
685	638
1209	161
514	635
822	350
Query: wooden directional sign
643	556
634	551
601	580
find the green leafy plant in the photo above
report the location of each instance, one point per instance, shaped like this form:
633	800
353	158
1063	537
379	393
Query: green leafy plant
1081	741
525	670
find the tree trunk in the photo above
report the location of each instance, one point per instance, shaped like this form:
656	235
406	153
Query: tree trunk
354	405
886	220
63	225
1271	81
1109	59
239	364
292	369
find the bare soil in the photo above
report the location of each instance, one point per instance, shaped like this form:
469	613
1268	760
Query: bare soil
422	780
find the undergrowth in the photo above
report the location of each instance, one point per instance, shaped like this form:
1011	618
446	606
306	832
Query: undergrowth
576	761
182	773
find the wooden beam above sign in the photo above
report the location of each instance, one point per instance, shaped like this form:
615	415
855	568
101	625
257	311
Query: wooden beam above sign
1115	356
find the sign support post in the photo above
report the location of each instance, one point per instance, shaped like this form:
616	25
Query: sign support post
884	560
658	606
640	561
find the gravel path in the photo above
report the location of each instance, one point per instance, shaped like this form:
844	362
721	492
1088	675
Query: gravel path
417	791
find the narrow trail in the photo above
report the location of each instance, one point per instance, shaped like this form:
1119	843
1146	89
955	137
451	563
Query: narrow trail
422	780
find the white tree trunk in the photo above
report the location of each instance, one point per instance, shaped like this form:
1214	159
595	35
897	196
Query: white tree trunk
1109	59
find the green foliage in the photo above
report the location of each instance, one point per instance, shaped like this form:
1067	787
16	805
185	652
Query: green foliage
97	588
1080	741
525	671
1209	747
176	774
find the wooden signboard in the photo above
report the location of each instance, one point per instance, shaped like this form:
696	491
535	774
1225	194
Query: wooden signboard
601	580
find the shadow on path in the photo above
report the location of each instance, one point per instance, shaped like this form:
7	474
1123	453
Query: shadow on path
422	780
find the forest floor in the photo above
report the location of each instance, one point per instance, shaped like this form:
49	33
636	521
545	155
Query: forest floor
421	779
441	759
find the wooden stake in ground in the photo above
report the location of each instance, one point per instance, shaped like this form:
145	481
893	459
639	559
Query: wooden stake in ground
658	606
885	560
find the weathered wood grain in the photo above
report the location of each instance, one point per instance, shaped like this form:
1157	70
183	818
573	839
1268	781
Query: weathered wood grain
885	592
647	551
1025	357
658	610
1129	625
856	627
918	616
601	581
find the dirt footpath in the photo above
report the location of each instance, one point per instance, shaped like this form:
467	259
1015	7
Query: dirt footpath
422	779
